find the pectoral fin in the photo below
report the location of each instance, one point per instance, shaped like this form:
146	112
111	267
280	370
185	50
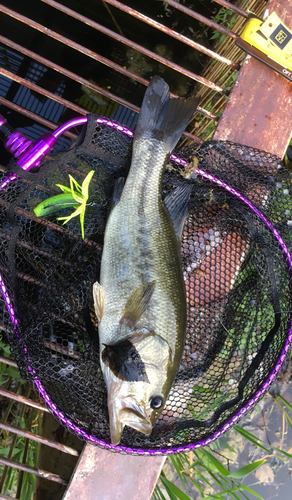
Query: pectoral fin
98	299
124	361
137	303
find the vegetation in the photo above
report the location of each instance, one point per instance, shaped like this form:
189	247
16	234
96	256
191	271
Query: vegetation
19	449
205	473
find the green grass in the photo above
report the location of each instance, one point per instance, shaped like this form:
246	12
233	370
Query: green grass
12	446
207	468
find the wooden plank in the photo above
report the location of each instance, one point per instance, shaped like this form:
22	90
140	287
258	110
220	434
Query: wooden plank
112	476
259	109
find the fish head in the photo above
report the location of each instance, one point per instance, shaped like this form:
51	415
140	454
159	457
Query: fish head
137	373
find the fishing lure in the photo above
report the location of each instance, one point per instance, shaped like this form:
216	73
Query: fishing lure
75	196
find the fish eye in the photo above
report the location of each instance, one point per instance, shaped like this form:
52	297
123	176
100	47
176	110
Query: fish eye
156	402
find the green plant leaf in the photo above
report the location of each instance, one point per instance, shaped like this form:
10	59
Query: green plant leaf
247	469
289	406
254	440
216	463
174	489
249	490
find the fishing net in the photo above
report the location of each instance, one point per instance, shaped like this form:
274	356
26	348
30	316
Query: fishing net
236	266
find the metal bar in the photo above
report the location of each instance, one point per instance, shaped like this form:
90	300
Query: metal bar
34	117
42	91
61	350
33	470
5	470
23	400
202	19
39	439
103	60
54	97
147	20
83	81
14	440
66	72
8	361
168	31
37	250
232	7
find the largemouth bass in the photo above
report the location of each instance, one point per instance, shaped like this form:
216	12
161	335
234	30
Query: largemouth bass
140	302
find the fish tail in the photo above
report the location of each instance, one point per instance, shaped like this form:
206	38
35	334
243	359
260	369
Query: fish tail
161	117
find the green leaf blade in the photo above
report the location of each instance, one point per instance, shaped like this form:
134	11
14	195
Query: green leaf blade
247	469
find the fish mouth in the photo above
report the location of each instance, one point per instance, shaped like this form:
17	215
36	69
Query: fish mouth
132	415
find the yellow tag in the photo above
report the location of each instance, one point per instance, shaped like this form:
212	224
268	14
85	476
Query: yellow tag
273	39
274	29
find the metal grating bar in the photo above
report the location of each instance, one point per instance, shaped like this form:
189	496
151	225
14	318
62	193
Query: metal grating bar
29	436
17	397
39	439
69	74
232	7
33	470
145	19
42	91
34	117
199	17
104	60
83	81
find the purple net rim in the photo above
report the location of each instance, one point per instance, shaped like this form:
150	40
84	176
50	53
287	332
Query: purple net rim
240	413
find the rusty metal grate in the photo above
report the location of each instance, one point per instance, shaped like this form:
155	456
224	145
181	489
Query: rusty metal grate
52	69
34	97
17	405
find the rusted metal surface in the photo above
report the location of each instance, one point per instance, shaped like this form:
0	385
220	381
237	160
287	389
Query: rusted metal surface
42	91
258	112
232	7
39	439
162	28
202	19
97	57
62	350
37	250
66	72
34	117
33	470
22	399
8	361
83	81
107	476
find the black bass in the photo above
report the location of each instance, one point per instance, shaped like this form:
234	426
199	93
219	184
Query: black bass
140	302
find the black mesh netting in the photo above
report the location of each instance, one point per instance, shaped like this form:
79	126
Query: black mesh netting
236	275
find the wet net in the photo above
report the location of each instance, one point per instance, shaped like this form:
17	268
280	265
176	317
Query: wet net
236	266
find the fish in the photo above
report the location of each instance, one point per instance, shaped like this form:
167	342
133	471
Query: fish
140	299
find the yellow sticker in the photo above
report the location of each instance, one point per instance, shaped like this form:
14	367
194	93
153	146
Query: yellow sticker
274	29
